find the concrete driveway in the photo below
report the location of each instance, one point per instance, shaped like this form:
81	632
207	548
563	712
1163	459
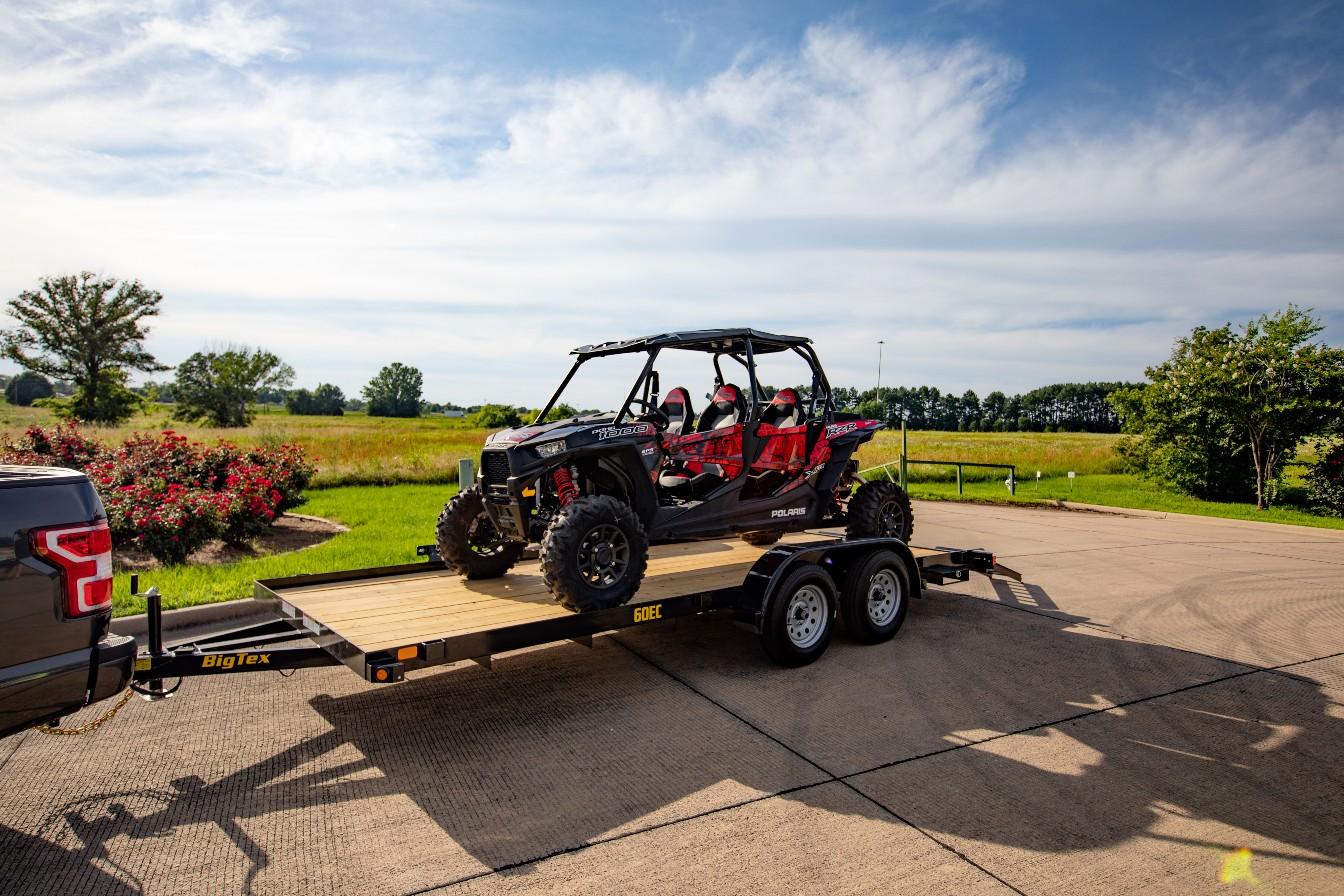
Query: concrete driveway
1160	709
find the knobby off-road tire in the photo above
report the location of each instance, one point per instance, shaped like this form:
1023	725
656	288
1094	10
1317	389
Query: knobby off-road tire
594	554
875	596
800	617
880	509
469	543
762	537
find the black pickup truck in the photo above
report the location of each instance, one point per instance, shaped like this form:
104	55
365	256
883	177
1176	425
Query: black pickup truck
56	653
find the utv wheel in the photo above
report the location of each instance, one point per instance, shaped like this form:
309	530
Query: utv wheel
594	554
468	541
797	626
875	596
880	509
762	537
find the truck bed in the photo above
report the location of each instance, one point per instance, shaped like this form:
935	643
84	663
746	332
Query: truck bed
387	612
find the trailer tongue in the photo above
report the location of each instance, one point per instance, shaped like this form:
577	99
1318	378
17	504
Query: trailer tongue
385	621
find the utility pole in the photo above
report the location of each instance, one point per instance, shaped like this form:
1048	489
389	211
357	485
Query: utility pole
878	394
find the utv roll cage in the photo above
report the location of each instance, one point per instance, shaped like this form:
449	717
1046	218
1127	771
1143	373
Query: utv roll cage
741	344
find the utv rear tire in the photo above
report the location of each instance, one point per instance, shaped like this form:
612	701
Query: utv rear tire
762	537
594	554
469	543
880	509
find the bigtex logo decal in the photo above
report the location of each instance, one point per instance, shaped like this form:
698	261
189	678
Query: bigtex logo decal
613	432
788	511
229	660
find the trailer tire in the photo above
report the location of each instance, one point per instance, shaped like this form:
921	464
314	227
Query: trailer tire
463	544
594	554
875	596
800	617
880	509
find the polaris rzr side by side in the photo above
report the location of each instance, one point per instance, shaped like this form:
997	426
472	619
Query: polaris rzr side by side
596	490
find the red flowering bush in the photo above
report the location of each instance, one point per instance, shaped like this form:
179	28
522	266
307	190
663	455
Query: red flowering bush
171	496
64	446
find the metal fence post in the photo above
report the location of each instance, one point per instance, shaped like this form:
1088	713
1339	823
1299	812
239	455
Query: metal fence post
959	479
466	473
1012	480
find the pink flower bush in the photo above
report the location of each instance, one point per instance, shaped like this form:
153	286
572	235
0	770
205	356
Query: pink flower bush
171	496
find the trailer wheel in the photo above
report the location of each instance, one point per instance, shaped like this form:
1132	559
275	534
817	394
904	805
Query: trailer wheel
880	509
468	541
800	616
594	554
875	596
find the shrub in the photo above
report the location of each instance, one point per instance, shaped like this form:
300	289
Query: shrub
64	446
171	496
1325	482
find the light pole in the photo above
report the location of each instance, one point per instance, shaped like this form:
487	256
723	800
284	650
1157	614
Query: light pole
880	343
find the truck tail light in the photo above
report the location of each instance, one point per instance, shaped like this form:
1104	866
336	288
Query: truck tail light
83	554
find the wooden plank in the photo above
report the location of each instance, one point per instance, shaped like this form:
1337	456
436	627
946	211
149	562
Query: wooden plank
394	611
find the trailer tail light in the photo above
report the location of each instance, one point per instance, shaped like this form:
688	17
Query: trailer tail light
83	554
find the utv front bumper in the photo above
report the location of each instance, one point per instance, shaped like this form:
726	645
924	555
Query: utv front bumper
505	493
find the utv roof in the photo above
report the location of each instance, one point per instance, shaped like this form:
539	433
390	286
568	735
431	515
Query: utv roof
732	341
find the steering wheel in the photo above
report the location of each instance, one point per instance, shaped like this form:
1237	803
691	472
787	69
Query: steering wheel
651	414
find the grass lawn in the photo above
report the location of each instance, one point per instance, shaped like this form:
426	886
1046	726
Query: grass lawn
386	525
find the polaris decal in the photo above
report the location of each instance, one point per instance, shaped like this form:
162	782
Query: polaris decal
839	429
615	432
787	512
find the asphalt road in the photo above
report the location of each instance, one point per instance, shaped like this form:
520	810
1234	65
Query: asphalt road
1160	709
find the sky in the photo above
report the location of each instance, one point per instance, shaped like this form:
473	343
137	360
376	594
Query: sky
1005	194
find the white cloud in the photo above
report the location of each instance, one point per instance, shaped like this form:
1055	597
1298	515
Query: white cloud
471	224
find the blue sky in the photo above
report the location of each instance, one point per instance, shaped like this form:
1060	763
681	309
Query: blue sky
1010	194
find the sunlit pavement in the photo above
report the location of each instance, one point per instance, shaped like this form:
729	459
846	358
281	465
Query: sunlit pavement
1160	708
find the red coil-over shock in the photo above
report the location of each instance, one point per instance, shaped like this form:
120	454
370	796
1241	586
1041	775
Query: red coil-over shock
565	489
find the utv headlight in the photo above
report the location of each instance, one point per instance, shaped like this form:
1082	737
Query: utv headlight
551	449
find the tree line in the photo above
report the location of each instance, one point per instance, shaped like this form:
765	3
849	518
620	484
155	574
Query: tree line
1063	407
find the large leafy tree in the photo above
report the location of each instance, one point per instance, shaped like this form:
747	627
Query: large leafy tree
88	330
219	387
395	392
1232	405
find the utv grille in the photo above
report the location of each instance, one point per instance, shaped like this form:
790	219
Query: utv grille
494	467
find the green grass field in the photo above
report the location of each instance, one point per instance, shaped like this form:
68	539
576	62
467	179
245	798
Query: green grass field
386	525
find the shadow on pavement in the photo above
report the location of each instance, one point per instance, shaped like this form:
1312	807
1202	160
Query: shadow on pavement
562	747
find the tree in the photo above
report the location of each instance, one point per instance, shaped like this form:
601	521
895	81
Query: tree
27	388
561	411
496	416
326	400
88	330
1236	404
219	386
394	392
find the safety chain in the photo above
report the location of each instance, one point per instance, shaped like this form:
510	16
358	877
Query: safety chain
50	728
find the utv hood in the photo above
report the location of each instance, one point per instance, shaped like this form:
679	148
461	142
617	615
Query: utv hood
546	432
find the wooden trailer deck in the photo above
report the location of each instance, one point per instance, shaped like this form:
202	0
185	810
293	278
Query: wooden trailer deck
384	613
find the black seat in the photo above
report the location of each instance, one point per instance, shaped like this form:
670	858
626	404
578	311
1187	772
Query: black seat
783	410
677	408
725	410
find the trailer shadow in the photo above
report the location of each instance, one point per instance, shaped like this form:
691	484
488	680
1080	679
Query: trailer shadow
562	747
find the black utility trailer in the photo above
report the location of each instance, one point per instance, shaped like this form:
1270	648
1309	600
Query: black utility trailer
385	621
